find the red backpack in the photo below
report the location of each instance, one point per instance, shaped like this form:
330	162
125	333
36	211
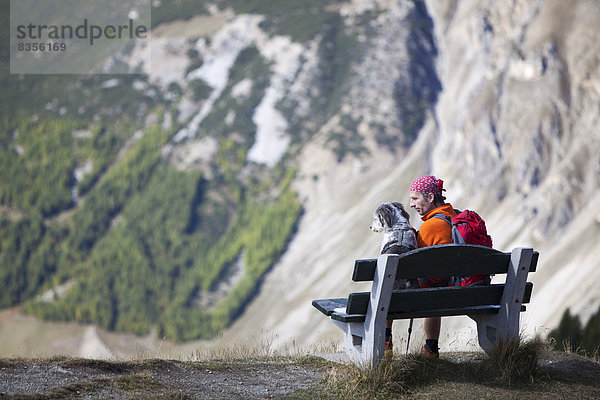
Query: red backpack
468	227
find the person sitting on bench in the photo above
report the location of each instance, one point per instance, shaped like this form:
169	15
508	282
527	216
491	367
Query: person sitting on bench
427	199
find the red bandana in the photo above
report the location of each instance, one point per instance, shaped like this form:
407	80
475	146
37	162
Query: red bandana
428	184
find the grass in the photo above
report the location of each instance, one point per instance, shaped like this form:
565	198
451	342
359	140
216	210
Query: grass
516	361
513	369
524	369
568	345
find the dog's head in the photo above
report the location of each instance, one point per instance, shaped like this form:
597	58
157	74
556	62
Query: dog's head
390	216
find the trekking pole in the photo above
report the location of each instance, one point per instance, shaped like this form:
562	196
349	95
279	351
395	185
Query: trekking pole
409	332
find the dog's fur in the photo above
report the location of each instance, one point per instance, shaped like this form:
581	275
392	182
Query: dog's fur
398	235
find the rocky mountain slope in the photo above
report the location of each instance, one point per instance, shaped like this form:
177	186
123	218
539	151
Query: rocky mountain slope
514	134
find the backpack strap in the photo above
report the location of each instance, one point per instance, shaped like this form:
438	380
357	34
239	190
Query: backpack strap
443	216
456	236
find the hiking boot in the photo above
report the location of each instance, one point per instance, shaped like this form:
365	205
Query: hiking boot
430	352
389	348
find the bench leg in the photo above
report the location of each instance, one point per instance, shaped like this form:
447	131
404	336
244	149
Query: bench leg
379	305
505	325
487	331
354	338
365	342
365	348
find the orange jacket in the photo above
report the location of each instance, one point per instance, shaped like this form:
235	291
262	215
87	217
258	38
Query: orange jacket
435	230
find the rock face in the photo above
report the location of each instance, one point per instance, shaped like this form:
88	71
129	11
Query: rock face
510	122
520	108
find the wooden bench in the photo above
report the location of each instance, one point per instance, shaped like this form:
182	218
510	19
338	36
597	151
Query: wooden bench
495	307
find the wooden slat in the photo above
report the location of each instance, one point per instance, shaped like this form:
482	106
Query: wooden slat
358	303
328	306
452	260
534	261
444	312
449	312
347	317
435	298
494	262
440	260
364	270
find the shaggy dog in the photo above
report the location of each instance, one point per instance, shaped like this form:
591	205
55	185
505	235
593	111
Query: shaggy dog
398	235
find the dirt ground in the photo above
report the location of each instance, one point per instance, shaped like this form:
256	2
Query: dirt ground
564	375
91	379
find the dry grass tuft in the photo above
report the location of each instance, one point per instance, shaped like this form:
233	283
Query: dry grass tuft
516	361
391	377
512	363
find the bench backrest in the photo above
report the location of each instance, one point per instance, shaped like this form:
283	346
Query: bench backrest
440	260
443	260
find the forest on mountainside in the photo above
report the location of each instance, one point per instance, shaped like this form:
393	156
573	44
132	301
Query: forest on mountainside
96	227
